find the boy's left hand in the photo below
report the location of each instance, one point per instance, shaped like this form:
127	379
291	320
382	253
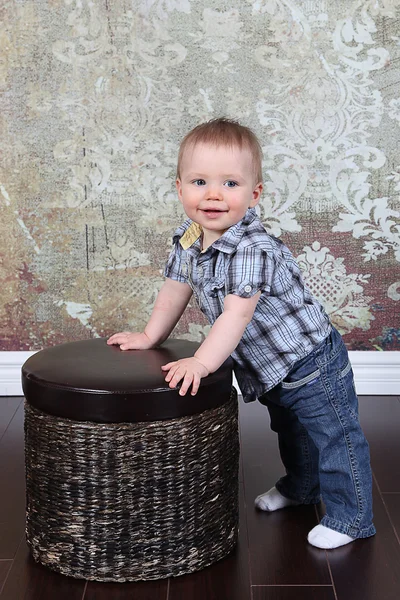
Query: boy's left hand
191	370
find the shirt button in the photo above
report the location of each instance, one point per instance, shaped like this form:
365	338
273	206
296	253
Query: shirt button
247	288
200	270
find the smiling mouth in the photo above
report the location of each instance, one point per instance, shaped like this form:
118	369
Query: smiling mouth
213	213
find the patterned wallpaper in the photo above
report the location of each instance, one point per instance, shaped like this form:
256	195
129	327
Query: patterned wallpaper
95	96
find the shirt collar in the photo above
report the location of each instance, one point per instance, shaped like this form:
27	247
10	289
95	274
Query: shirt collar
189	232
191	235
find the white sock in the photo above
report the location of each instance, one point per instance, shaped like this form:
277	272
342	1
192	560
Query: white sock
273	500
323	537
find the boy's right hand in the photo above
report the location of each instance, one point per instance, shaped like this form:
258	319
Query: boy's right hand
130	341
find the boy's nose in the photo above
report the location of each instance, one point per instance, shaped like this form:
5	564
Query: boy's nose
214	193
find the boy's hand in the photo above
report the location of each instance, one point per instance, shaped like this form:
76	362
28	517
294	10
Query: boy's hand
191	370
130	341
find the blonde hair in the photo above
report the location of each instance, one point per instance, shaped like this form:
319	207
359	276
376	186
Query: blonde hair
223	132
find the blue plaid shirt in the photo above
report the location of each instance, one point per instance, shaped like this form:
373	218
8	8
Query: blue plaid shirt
288	321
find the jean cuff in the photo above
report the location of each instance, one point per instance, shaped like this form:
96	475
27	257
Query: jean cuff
353	532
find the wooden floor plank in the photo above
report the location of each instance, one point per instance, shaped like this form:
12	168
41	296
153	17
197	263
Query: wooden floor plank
279	551
307	592
8	407
28	580
12	483
380	420
146	590
5	566
392	502
369	569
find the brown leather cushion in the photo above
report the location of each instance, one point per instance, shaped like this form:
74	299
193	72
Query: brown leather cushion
91	381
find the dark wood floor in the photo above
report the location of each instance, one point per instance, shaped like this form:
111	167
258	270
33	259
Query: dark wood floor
273	560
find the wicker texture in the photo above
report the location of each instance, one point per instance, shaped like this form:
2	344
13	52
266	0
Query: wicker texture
131	501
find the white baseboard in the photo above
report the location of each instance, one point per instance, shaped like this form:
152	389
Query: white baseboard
375	373
10	372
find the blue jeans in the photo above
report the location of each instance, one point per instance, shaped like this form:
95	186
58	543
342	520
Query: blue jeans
314	410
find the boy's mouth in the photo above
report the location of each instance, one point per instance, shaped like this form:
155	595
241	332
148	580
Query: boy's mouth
213	213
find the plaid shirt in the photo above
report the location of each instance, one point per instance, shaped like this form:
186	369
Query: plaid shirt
288	321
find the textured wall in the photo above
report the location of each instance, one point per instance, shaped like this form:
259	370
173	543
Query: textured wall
94	99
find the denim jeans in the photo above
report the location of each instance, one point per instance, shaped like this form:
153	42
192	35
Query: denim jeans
314	410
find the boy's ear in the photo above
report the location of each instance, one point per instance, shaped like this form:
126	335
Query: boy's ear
256	195
178	184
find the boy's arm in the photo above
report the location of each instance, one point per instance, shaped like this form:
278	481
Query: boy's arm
170	304
222	340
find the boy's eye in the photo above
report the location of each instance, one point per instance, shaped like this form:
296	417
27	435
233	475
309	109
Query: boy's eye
230	183
199	182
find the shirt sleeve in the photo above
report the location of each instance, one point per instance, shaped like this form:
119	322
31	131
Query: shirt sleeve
250	271
175	267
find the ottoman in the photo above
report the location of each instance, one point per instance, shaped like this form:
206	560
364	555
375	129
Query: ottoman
125	479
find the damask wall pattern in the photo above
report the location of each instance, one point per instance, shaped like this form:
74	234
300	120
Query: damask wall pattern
95	96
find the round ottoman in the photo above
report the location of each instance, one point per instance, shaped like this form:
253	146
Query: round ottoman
125	478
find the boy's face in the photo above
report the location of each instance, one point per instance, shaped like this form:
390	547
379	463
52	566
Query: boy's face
216	187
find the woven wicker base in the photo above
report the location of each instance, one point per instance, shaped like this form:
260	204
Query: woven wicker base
132	501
